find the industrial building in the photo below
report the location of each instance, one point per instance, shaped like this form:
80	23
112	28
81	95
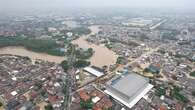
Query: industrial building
93	71
128	88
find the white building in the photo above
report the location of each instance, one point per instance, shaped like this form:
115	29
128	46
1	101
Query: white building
93	71
128	89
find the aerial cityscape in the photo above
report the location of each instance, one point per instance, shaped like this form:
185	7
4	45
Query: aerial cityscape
97	55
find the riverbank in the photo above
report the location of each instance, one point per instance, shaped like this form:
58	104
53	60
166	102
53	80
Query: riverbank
21	51
48	46
102	56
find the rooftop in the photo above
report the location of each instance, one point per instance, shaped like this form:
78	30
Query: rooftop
93	71
128	88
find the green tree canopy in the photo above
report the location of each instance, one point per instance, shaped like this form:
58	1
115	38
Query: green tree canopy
65	65
48	107
81	63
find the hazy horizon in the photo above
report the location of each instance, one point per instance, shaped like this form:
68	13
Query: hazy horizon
7	6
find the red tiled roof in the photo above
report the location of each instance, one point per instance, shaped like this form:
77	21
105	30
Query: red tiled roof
97	93
162	108
8	96
178	107
54	98
37	108
33	94
83	95
96	108
23	98
104	103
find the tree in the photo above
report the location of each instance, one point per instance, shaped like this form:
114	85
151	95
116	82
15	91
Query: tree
81	54
192	74
43	93
1	104
38	45
48	107
189	108
119	60
38	85
90	50
177	95
81	63
65	65
193	93
81	30
86	104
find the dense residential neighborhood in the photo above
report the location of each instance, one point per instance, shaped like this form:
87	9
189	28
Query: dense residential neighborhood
89	61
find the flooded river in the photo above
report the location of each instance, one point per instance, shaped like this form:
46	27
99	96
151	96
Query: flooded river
101	57
21	51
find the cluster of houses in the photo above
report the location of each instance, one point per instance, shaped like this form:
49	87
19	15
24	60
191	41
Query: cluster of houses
26	85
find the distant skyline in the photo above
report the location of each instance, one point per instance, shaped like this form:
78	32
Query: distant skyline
25	5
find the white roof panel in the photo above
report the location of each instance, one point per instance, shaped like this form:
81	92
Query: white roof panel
135	100
14	93
93	71
95	99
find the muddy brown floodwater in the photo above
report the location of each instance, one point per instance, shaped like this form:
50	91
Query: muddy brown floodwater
21	51
102	56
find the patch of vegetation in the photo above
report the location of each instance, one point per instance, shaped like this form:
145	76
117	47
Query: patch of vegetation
130	43
160	91
43	93
120	60
48	107
193	93
81	63
189	108
162	51
170	35
80	54
177	95
86	104
38	85
81	30
109	46
80	60
1	104
65	65
36	45
192	74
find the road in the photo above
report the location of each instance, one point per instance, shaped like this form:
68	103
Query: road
143	55
110	75
70	79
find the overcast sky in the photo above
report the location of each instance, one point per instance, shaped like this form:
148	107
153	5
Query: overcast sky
44	4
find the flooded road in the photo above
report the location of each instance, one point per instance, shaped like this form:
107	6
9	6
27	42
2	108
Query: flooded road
102	56
21	51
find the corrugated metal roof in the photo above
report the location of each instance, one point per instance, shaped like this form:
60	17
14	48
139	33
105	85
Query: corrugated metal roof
129	88
93	71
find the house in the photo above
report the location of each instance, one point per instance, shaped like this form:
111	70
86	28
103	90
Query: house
55	100
83	95
104	103
155	69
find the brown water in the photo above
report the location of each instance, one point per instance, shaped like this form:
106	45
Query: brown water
102	56
21	51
